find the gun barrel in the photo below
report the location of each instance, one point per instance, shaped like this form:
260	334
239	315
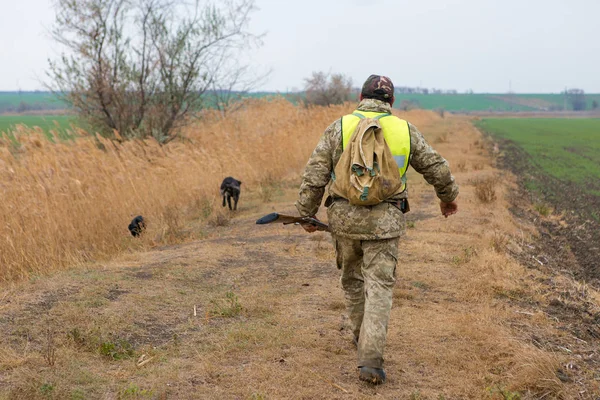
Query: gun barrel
289	219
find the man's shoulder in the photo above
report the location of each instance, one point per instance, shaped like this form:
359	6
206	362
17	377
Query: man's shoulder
334	127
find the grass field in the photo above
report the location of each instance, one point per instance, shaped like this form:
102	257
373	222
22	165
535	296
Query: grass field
58	123
566	149
491	102
24	101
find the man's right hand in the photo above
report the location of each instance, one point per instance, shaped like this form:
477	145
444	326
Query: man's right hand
310	228
449	208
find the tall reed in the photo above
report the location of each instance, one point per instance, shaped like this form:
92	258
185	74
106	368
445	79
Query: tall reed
65	202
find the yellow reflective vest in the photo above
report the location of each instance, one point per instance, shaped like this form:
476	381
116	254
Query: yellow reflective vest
395	131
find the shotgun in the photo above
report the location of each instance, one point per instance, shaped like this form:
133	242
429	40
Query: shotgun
290	219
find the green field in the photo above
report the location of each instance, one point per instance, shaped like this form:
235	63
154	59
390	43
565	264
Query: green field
59	123
13	102
492	102
565	149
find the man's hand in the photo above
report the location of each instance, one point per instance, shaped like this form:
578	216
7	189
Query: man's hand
310	228
448	208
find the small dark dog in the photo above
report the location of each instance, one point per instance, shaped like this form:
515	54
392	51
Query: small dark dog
137	226
230	188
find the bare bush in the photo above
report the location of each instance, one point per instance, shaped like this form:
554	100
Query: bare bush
138	68
325	89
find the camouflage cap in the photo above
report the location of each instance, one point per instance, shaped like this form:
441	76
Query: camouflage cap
379	87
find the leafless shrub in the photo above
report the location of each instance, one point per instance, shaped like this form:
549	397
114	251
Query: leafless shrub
138	68
325	89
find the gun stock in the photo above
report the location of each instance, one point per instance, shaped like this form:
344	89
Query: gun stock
290	219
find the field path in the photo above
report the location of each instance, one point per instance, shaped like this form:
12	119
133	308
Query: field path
256	312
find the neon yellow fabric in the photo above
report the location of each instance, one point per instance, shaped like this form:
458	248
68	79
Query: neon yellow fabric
395	131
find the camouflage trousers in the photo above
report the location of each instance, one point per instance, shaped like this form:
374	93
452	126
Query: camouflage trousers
368	277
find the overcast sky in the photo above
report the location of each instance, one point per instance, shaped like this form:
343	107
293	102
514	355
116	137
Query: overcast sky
484	45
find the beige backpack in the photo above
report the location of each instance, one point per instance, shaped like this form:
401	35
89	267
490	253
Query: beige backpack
366	173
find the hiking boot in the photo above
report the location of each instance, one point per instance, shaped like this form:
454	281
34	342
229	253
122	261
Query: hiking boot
375	376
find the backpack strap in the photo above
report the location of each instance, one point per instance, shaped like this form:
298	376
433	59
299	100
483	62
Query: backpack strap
376	118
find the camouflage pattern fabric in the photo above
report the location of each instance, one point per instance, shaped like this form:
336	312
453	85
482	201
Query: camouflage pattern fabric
368	277
378	86
345	218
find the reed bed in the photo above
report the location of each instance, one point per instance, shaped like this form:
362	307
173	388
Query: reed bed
63	203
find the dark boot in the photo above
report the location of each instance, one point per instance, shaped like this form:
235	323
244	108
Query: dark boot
375	376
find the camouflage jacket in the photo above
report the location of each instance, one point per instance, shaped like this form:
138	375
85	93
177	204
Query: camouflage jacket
382	221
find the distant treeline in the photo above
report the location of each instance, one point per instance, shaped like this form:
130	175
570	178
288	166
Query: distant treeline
20	102
406	98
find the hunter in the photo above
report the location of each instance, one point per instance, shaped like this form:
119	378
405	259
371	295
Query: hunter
366	238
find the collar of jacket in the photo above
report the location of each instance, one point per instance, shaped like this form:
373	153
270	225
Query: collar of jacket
374	105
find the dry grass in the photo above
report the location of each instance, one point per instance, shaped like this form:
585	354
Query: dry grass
485	189
249	313
66	203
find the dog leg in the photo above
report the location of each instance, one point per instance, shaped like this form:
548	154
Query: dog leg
223	200
229	201
235	198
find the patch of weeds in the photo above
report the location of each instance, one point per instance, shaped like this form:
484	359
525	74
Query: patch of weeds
461	166
117	350
543	209
478	166
505	393
443	138
133	391
337	305
77	394
219	218
47	389
258	396
205	206
50	348
402	294
485	189
410	224
512	294
268	187
467	255
499	242
420	285
228	307
596	216
75	336
416	395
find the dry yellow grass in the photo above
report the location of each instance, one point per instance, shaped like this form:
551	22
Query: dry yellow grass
256	313
65	203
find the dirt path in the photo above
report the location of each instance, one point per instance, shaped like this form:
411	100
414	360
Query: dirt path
257	312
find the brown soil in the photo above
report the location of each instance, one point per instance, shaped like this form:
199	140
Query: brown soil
574	230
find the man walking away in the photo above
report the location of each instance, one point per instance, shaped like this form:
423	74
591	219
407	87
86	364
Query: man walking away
366	237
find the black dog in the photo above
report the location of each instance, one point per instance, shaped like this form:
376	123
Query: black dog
137	226
230	188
